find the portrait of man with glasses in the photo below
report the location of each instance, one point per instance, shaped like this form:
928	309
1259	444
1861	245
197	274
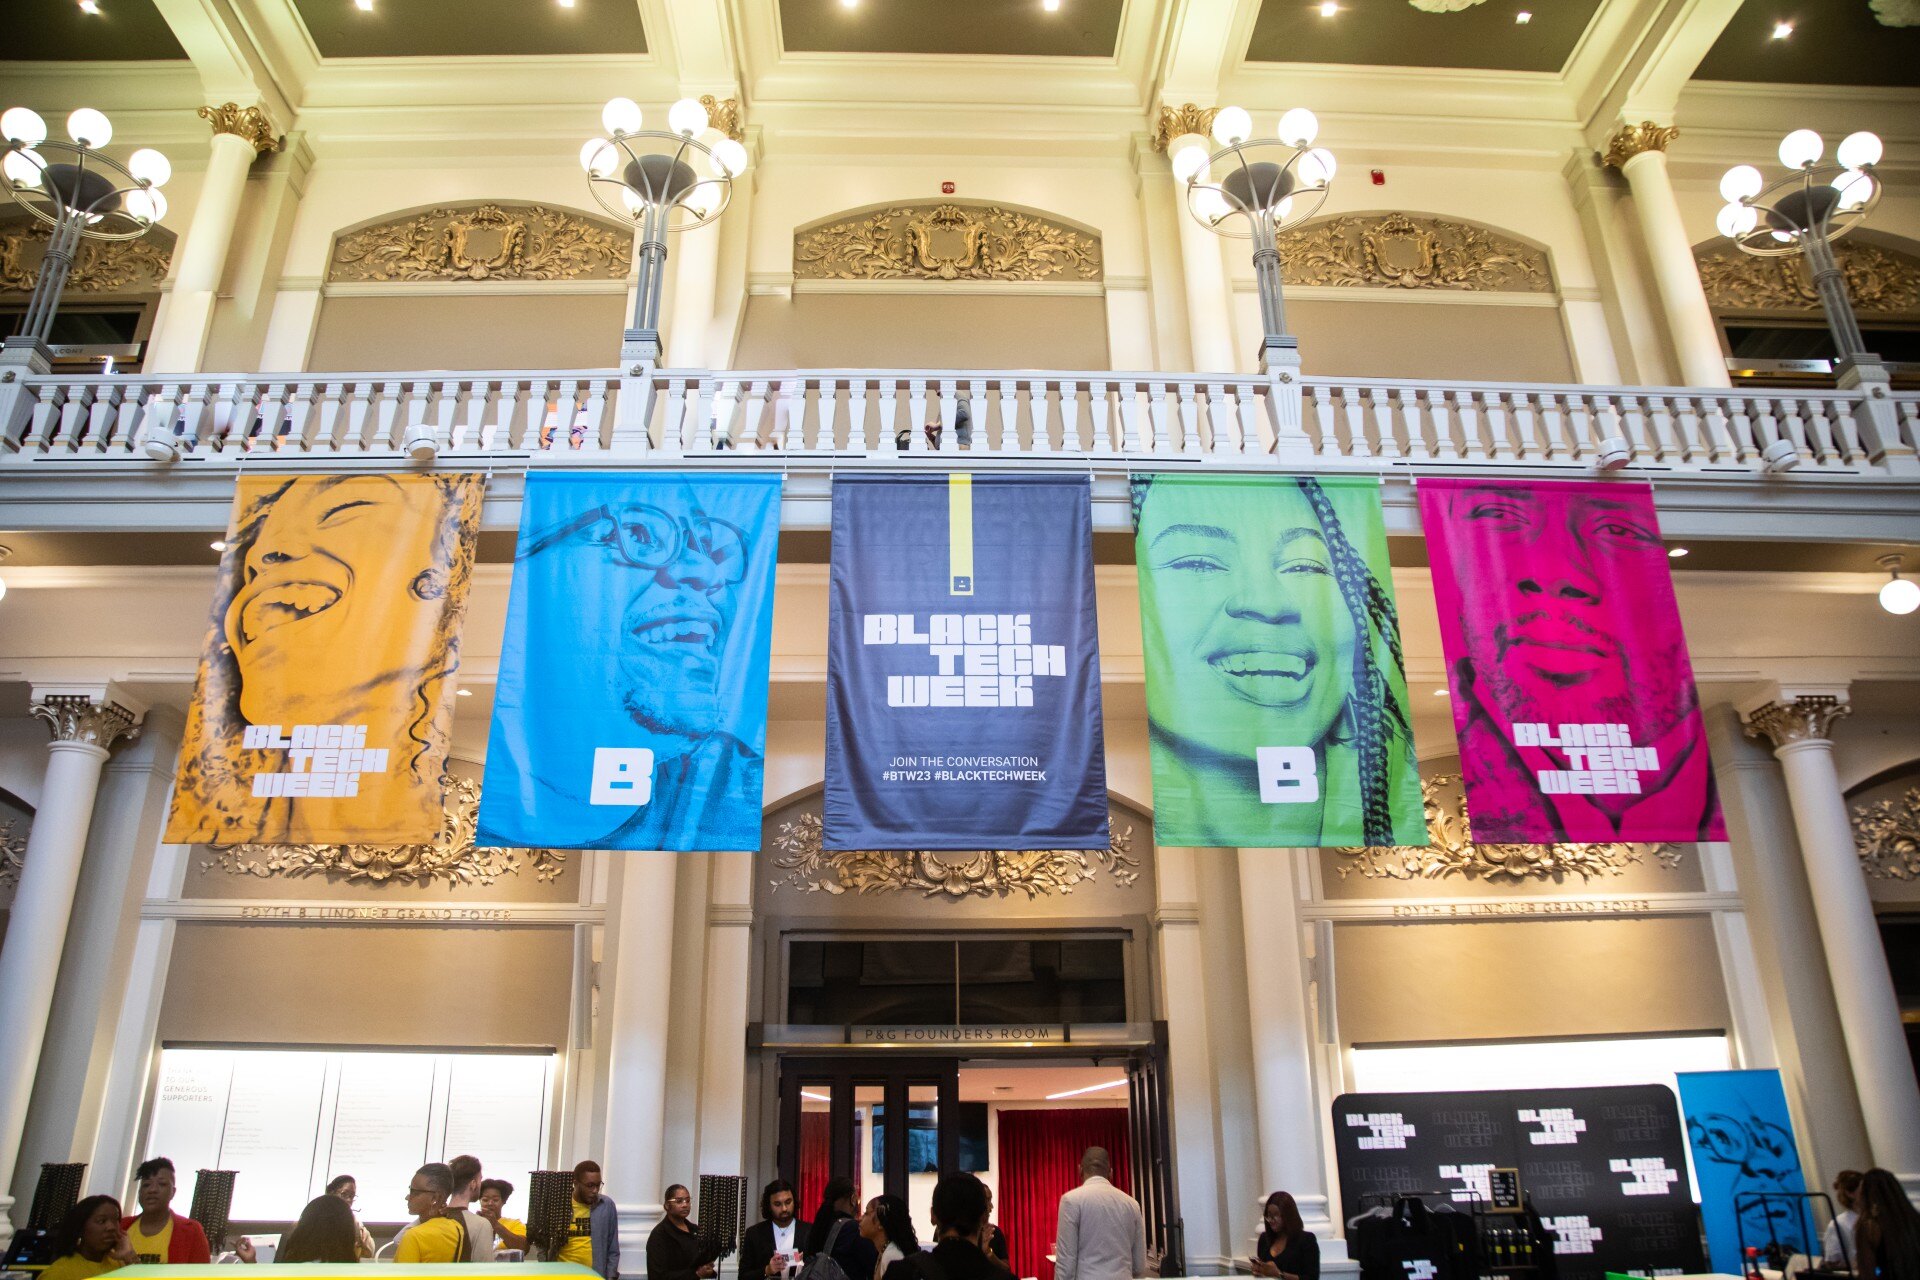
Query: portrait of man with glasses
631	707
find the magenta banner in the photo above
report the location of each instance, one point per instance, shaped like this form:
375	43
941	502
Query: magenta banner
1573	696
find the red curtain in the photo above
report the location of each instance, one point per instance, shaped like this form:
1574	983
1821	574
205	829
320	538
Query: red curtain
816	1157
1039	1163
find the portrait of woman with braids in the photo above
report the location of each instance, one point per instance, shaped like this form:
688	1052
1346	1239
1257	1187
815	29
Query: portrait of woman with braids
1276	693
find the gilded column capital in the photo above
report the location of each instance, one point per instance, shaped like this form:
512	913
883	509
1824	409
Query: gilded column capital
250	124
1806	717
1175	122
1629	140
93	715
724	114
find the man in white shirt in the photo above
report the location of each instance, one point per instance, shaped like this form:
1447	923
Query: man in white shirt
771	1244
1836	1245
466	1190
1102	1234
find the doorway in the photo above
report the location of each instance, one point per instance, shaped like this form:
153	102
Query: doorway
1018	1122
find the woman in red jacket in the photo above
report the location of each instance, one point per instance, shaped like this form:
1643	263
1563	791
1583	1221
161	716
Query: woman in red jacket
158	1234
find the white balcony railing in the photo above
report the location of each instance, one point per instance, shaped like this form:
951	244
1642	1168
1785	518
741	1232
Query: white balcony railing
654	416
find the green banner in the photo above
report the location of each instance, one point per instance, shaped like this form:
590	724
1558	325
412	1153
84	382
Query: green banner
1276	695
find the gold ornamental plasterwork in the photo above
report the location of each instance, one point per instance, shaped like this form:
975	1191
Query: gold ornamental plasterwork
100	266
1807	717
483	242
1177	122
13	853
1629	140
452	858
982	873
1887	835
723	114
1879	281
248	123
1402	251
1454	853
945	241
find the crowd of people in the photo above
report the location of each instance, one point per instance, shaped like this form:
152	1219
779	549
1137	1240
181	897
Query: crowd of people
456	1215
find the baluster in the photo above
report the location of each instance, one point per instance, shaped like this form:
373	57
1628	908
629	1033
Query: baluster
1246	428
673	416
1493	406
708	434
44	421
1039	417
826	429
1823	433
300	398
1766	425
328	412
949	429
746	434
977	414
1528	434
1446	443
1473	428
1407	402
446	406
1793	428
1380	407
75	408
1550	429
891	438
1130	442
593	415
857	416
181	412
1355	414
792	406
126	424
1633	425
1662	429
1188	396
100	422
1157	412
1716	431
1100	409
1577	428
394	406
1009	415
1327	444
1070	417
917	409
531	421
1847	431
1689	429
273	415
487	424
1213	439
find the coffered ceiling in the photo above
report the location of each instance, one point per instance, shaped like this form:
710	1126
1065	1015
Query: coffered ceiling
1079	28
1395	34
57	31
1836	42
470	28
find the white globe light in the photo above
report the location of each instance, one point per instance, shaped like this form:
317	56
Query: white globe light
89	128
1232	125
1742	182
729	158
1784	237
1736	220
21	169
1855	188
3	589
702	199
24	126
1299	127
1900	596
1209	205
1189	161
1317	167
144	204
631	198
1858	150
1801	148
599	157
686	117
621	115
1283	210
150	167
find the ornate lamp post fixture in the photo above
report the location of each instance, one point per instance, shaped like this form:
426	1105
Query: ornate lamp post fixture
80	193
1254	188
1804	213
661	181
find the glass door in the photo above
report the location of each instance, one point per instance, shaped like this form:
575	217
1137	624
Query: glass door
871	1120
1152	1154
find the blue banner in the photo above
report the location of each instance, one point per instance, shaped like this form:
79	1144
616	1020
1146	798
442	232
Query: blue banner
963	667
631	710
1742	1142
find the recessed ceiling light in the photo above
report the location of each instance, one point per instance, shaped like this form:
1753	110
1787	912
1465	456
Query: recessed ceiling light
1328	8
1051	6
364	6
466	693
566	4
90	6
1781	30
1674	553
1092	1088
849	4
218	544
1443	692
1523	17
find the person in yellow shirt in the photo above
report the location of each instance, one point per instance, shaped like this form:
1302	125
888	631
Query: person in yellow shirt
89	1242
508	1233
578	1248
434	1236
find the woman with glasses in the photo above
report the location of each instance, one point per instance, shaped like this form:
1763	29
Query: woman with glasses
344	1187
435	1235
675	1250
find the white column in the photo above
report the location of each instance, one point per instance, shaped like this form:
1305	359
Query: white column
640	942
180	337
696	271
1281	1026
1798	722
1209	296
1639	152
86	721
723	1059
1192	1097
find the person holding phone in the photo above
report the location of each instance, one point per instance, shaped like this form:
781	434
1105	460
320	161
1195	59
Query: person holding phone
1287	1250
770	1245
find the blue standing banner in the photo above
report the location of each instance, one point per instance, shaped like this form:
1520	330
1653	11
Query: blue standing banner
963	668
631	709
1743	1149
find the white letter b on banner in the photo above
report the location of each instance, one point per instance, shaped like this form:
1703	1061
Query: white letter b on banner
623	776
1287	775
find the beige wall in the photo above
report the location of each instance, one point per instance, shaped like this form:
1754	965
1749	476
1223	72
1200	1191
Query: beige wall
1526	979
440	331
924	331
436	986
1431	340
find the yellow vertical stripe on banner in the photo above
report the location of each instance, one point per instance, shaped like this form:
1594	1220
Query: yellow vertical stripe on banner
960	534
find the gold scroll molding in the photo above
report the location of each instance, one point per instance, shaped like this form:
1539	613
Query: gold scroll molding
100	266
1403	251
248	123
724	114
1880	281
13	853
484	242
1037	873
1887	835
1629	140
1453	852
1177	122
452	858
945	241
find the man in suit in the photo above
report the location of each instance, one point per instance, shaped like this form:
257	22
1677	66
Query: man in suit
1102	1234
772	1242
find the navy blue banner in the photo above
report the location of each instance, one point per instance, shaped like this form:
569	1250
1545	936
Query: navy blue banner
963	666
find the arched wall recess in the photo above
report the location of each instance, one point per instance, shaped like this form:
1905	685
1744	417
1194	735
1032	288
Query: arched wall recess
947	239
1401	250
479	241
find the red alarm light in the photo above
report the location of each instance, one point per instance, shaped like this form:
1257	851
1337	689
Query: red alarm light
1379	177
947	188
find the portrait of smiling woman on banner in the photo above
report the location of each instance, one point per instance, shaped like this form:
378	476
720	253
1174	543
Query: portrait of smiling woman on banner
324	699
1276	693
